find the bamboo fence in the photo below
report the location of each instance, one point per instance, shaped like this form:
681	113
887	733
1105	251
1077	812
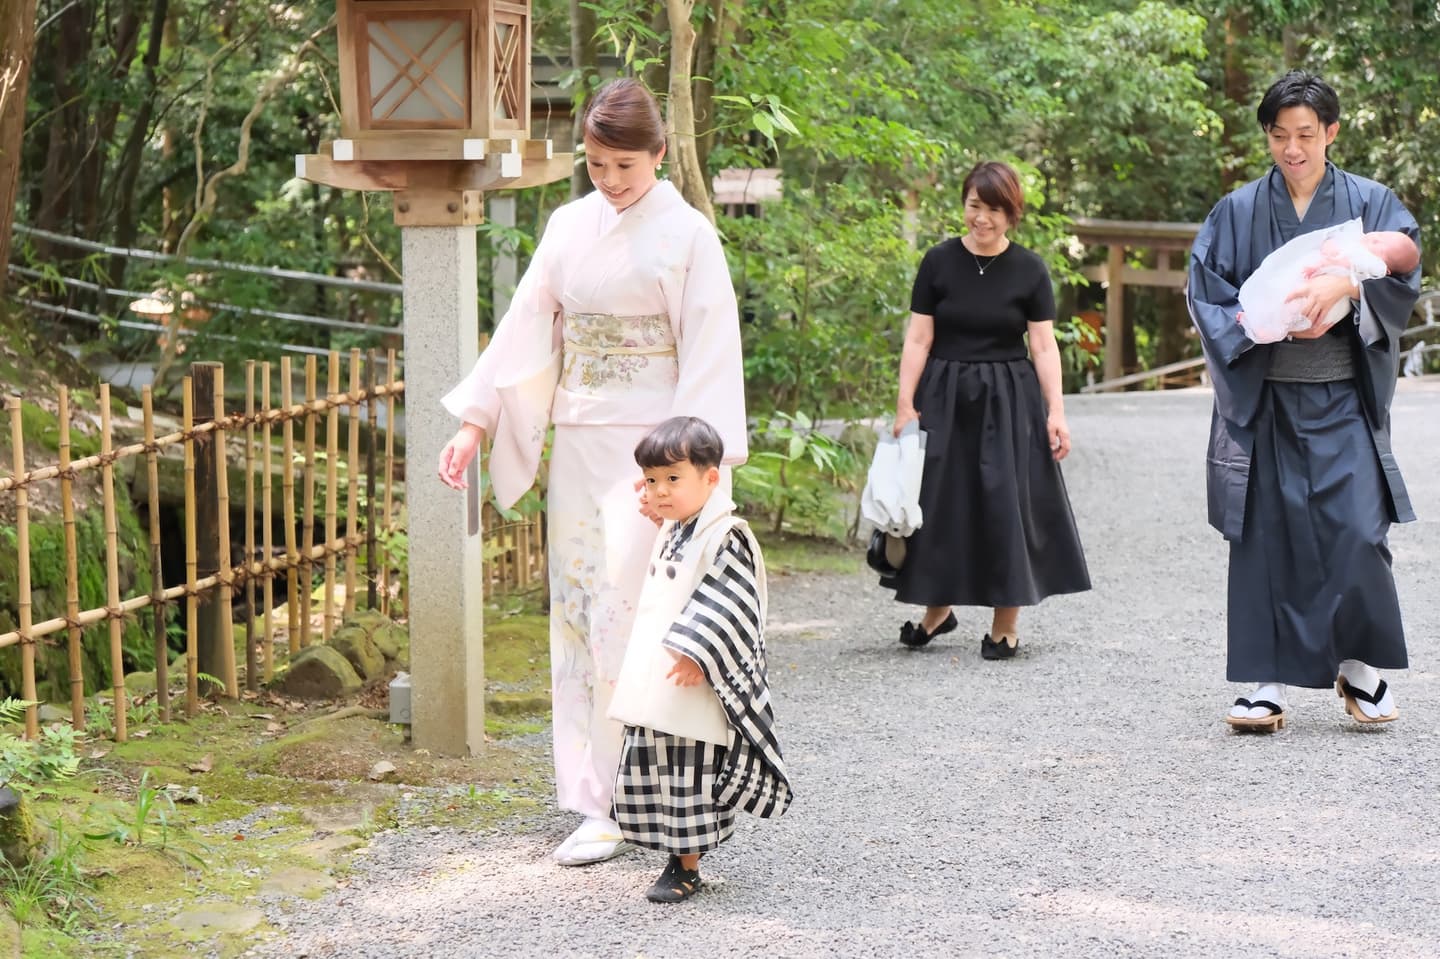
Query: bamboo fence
514	549
256	570
514	555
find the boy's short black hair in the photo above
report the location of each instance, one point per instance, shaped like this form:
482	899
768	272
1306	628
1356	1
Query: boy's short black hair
1299	89
680	439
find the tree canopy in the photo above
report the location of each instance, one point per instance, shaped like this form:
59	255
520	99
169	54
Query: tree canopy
171	125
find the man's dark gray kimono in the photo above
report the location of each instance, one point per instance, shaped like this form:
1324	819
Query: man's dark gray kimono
1300	476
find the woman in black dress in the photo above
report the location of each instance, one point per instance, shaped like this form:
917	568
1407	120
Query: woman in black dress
997	528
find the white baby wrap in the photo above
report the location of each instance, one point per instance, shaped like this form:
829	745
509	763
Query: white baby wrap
1266	317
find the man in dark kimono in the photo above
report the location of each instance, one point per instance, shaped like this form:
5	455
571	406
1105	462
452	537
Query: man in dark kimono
1301	479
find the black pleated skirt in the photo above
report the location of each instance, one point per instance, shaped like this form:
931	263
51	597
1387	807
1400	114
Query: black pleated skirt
998	529
1310	578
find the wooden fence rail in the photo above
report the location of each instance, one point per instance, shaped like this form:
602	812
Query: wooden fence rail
515	555
365	528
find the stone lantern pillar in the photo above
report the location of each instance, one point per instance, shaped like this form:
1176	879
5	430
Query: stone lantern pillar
435	108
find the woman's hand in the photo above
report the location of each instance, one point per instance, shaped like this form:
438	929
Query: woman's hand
1059	433
455	458
686	672
904	415
1314	298
646	510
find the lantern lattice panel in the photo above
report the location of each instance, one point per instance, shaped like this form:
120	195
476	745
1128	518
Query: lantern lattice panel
417	69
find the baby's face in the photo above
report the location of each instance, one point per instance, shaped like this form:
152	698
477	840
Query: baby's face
1396	249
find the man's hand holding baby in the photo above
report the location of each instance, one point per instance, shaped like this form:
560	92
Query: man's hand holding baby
1315	297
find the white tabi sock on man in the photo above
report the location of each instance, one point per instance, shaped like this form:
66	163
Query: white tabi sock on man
1266	692
1366	678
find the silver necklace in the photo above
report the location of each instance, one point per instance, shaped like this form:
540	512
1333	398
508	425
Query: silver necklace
988	263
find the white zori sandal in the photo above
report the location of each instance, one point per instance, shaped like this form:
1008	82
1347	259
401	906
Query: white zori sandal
1244	722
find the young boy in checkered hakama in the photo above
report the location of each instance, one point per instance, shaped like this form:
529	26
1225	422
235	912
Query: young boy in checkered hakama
700	733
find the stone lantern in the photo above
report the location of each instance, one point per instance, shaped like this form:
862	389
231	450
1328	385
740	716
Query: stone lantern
435	108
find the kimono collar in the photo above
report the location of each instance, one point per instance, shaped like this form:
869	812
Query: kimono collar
1266	235
657	199
678	534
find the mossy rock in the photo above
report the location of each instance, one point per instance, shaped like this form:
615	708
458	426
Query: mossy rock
139	684
20	838
517	704
320	672
393	641
359	650
390	638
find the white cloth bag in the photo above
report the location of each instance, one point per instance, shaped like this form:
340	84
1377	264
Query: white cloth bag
891	499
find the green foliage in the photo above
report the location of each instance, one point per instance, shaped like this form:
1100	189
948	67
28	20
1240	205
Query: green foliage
144	821
26	764
52	889
795	476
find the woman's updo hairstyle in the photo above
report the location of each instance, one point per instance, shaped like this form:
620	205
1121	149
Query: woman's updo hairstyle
623	115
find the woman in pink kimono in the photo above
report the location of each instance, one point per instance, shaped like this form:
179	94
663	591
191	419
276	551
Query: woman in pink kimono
625	317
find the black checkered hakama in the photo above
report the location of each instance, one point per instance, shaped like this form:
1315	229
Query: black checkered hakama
664	793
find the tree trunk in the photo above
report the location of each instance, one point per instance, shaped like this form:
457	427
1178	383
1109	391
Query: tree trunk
585	59
1237	90
126	228
716	38
685	159
17	35
63	51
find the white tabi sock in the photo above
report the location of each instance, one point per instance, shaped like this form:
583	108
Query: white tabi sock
1365	677
1269	692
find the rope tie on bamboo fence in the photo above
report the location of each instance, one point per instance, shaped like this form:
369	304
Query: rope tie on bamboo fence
199	433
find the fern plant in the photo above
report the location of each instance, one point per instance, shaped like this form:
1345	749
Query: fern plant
26	763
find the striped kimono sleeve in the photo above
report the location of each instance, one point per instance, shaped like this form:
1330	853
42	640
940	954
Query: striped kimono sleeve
721	628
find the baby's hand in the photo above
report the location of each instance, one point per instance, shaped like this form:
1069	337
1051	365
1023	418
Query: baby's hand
686	672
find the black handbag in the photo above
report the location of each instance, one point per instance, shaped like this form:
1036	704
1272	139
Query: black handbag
885	554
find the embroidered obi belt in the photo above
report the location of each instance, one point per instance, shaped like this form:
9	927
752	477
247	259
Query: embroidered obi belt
616	370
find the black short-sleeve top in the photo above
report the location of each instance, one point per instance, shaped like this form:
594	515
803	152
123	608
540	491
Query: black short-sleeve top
981	317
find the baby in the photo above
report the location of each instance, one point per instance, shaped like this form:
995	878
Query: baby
1267	315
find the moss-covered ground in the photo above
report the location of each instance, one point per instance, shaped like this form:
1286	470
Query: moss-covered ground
215	816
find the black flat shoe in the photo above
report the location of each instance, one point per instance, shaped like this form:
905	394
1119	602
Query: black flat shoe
1005	649
914	635
676	883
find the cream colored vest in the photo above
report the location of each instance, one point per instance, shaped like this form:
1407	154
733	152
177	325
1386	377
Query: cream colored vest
643	696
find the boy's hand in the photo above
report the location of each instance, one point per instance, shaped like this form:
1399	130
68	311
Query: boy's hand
686	672
645	508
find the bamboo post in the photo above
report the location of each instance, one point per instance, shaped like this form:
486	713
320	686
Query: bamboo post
252	651
210	463
387	515
157	573
370	558
307	562
267	537
332	455
352	485
487	565
192	612
112	568
74	633
22	585
226	571
287	491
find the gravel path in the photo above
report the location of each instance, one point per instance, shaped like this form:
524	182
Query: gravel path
1082	800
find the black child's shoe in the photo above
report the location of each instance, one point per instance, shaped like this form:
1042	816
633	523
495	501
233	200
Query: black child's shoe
675	884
